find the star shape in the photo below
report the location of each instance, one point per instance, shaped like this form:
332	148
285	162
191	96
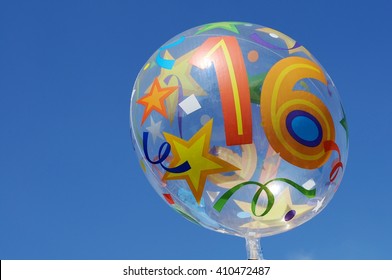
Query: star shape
230	26
182	70
247	160
318	205
276	215
202	163
155	129
270	165
155	99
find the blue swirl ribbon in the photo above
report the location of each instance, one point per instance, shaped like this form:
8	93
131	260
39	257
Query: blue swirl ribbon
164	151
167	63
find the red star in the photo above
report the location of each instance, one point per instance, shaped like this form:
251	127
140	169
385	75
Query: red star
155	99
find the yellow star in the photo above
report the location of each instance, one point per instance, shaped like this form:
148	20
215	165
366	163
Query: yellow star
276	216
202	163
155	99
181	70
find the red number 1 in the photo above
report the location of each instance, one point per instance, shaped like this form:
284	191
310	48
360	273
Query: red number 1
226	55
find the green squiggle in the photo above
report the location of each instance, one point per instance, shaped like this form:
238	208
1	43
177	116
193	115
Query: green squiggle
221	202
305	192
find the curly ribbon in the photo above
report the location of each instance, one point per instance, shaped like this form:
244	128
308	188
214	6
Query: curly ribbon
344	124
257	39
167	63
332	146
292	45
221	202
164	151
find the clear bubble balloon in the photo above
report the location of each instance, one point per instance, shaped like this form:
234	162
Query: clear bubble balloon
239	129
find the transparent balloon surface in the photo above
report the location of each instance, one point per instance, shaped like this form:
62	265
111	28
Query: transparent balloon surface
239	129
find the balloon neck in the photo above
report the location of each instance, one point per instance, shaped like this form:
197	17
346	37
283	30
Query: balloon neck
253	248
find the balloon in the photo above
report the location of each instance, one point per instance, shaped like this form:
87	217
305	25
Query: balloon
239	129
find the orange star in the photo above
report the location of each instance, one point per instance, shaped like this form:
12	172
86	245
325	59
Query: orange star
196	152
155	99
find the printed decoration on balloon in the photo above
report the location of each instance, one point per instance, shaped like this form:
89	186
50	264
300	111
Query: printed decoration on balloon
155	99
319	205
239	129
225	53
270	166
163	154
229	26
202	163
247	161
343	123
155	129
337	165
255	84
186	215
283	211
262	188
292	46
165	62
168	198
179	75
296	122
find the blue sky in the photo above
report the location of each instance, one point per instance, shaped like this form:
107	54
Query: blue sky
70	183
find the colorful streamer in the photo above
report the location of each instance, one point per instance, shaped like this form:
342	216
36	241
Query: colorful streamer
257	39
331	146
167	63
221	202
292	45
164	152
